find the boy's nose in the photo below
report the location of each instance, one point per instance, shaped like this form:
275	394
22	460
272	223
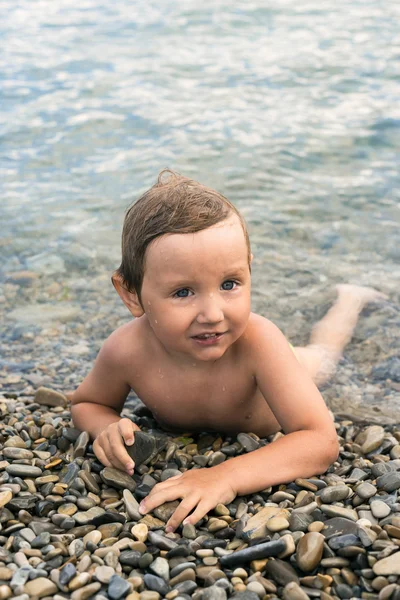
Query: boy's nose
210	312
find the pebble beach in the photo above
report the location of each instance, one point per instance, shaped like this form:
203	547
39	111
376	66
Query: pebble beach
291	111
70	528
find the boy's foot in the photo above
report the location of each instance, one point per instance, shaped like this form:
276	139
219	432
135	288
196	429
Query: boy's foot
359	293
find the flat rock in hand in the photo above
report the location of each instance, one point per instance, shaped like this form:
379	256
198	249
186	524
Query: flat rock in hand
146	447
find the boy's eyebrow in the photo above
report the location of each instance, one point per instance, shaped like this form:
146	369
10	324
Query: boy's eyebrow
180	281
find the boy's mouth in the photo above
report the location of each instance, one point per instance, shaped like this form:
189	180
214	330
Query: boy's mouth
207	338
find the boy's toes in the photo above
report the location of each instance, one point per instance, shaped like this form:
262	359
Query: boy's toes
362	293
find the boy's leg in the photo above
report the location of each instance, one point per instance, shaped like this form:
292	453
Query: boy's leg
330	335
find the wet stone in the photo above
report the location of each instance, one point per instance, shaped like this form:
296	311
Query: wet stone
118	479
156	584
166	510
248	442
263	550
18	470
379	509
389	482
146	447
118	587
309	551
69	474
67	573
281	572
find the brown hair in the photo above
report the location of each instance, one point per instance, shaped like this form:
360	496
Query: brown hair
175	204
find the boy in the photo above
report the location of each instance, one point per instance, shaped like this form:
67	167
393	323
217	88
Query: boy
200	360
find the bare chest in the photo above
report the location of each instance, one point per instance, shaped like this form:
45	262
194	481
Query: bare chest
228	400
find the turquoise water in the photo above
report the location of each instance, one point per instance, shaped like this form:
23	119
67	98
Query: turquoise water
290	109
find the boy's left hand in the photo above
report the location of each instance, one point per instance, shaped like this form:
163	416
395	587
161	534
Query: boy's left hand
200	489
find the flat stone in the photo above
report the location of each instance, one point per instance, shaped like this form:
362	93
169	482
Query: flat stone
146	447
248	442
86	592
152	522
50	397
263	550
23	470
118	587
81	444
5	497
334	493
67	573
166	510
104	573
40	587
281	572
89	481
371	438
339	526
388	482
156	584
277	524
379	509
131	506
86	517
160	567
388	566
140	532
118	479
256	526
339	511
299	521
69	473
17	453
343	541
110	530
23	503
366	490
214	592
309	551
292	591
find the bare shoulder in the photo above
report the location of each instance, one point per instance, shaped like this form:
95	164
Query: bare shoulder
261	333
126	346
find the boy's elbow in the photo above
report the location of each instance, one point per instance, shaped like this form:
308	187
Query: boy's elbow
331	453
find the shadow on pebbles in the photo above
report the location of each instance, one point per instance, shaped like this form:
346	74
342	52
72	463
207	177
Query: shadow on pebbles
70	528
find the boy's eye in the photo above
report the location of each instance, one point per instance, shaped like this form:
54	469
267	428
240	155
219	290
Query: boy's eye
228	285
183	293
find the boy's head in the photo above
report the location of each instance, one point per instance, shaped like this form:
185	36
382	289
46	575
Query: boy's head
175	204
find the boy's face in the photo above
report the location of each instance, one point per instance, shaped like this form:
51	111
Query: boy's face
196	290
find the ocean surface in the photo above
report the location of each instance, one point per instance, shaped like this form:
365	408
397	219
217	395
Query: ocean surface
291	110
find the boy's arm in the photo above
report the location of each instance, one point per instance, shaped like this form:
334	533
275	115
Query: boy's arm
98	401
310	444
309	447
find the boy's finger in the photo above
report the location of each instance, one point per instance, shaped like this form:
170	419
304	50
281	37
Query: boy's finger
159	496
126	430
201	510
185	507
99	452
121	458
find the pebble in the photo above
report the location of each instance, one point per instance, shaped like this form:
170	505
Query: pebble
309	551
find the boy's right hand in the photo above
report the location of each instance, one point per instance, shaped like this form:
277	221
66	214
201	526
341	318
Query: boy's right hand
109	445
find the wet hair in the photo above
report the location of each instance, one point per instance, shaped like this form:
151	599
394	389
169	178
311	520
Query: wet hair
174	204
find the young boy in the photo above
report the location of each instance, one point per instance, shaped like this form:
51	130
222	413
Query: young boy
200	360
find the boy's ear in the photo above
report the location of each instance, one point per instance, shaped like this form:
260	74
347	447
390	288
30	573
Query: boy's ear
130	299
251	258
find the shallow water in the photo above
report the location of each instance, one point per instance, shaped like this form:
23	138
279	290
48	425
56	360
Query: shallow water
290	110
